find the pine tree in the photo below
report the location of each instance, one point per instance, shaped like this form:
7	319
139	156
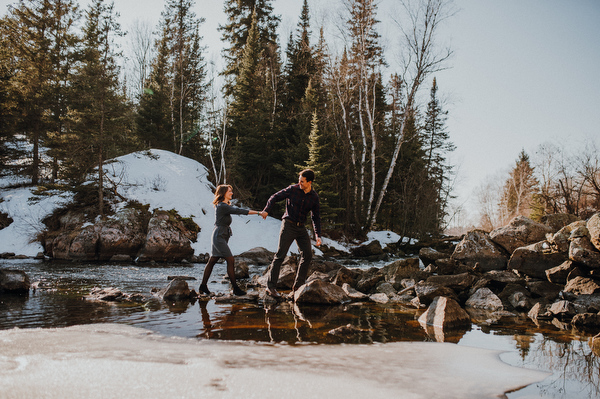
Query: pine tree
39	33
240	15
437	145
99	116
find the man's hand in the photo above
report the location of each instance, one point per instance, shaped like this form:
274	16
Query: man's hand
318	241
263	214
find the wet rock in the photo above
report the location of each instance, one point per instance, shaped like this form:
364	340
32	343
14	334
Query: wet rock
520	232
287	274
563	309
379	298
344	276
167	240
353	294
540	311
586	321
320	292
402	269
593	226
595	344
386	288
256	256
516	296
345	332
177	290
14	281
582	285
242	270
533	260
427	292
445	312
109	294
477	247
582	251
484	298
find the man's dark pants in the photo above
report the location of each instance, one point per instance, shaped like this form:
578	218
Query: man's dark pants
289	232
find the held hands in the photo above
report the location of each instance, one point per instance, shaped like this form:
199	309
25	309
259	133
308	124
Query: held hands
263	214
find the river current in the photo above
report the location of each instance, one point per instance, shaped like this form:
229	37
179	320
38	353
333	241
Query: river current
59	302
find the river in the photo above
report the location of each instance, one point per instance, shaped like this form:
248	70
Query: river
59	302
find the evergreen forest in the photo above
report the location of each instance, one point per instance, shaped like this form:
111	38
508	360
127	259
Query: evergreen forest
376	137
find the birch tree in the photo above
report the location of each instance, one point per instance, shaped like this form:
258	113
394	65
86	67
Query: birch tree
422	57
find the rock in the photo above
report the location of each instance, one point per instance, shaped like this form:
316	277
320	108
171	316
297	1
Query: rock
593	226
562	309
477	247
520	232
121	234
582	251
344	276
582	285
559	274
379	298
320	292
345	332
5	220
242	270
484	298
517	296
386	288
177	290
557	221
353	294
167	240
595	344
426	292
109	294
559	241
121	258
256	256
589	321
456	282
369	280
14	281
371	251
533	260
429	255
540	311
445	312
287	274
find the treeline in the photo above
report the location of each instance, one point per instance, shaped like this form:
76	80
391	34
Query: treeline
554	180
379	150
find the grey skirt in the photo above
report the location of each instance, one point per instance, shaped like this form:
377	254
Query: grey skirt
220	242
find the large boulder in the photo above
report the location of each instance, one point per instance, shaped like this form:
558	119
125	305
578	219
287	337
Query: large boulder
256	256
445	312
593	226
320	292
520	232
533	260
484	298
121	234
559	241
427	292
167	240
477	247
582	251
80	244
287	274
429	255
14	281
371	251
177	290
400	269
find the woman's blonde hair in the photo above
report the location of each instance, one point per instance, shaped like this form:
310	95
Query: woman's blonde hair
220	193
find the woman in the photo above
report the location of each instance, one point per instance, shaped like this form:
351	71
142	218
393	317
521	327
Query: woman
220	237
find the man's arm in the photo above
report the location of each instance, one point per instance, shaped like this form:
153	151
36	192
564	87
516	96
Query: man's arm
278	196
315	215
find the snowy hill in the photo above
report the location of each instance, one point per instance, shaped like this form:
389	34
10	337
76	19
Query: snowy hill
165	181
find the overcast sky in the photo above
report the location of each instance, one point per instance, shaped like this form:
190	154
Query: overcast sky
524	72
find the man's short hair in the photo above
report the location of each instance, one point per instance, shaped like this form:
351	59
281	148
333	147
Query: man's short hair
308	174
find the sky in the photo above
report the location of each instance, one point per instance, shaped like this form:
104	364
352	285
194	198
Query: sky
523	72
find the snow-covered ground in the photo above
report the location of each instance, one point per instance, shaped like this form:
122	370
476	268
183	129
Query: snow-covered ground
165	181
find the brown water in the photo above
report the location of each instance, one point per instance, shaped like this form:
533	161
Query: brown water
565	353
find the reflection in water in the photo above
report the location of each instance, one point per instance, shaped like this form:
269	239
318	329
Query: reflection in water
565	353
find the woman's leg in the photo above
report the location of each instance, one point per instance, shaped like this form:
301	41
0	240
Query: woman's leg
207	271
231	273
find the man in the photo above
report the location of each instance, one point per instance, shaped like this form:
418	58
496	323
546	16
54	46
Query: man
300	199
